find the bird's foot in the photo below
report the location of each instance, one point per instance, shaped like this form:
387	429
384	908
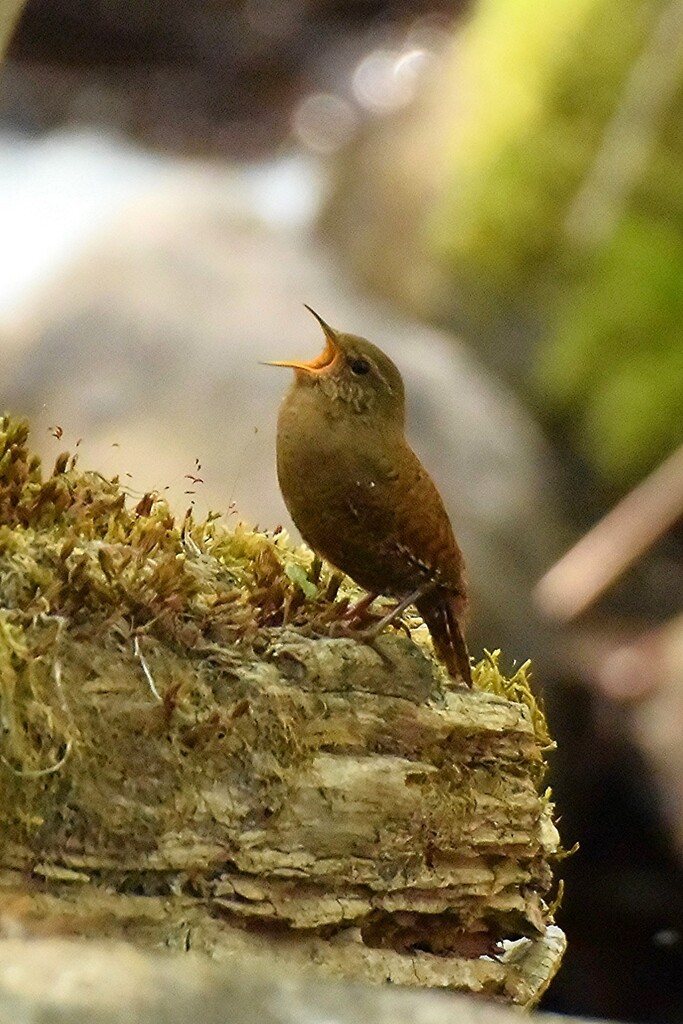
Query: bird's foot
393	616
345	629
368	635
359	611
358	623
353	621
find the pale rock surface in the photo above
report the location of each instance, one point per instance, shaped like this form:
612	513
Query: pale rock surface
54	981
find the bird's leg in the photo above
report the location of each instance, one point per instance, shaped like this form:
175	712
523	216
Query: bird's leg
369	636
358	609
396	612
370	633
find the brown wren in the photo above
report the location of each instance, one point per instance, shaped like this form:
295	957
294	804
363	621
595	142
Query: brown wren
359	495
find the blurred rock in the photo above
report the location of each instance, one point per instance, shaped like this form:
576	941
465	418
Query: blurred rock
60	982
147	349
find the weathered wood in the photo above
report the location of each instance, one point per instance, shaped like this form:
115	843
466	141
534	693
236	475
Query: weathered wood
388	838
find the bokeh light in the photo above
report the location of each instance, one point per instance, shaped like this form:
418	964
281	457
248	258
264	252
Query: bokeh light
324	122
385	80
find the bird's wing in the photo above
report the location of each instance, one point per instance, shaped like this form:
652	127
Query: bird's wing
395	502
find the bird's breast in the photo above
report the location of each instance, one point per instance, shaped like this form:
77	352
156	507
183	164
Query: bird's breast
362	500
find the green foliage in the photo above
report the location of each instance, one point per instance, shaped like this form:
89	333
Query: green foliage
616	360
541	82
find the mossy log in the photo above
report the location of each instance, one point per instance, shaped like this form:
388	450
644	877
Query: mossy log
191	757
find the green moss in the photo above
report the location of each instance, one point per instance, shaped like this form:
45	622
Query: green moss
70	546
156	590
487	675
133	582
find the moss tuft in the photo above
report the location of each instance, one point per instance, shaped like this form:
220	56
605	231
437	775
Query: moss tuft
70	546
487	675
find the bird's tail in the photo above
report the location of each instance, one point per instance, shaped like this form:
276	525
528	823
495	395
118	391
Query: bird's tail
444	611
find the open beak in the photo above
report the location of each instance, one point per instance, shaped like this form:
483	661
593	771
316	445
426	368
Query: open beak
326	357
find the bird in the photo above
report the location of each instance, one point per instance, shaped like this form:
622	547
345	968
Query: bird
359	495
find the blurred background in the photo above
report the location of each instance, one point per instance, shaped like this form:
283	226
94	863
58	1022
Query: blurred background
492	192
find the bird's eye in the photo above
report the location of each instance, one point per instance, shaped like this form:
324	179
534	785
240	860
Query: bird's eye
359	366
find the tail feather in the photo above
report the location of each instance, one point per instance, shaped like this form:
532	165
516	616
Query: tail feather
443	612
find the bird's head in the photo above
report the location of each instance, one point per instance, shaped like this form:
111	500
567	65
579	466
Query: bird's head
353	371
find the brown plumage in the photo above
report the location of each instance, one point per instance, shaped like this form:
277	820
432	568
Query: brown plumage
359	495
